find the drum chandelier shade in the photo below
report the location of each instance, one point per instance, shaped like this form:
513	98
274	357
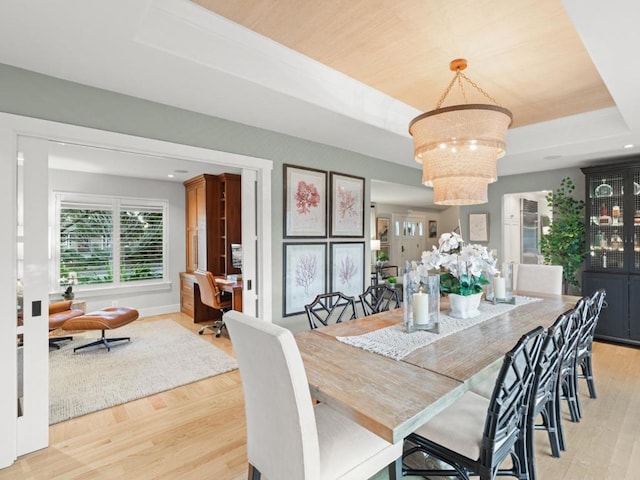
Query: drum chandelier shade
459	145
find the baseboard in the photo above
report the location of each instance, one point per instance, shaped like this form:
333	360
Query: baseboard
160	310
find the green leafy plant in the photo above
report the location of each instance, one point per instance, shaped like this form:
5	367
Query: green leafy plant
564	244
382	256
392	280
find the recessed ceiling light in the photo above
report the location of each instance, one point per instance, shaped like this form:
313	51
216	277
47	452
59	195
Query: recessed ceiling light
552	157
171	175
629	145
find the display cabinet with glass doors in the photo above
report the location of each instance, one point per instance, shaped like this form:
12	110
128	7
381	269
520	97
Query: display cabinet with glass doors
613	245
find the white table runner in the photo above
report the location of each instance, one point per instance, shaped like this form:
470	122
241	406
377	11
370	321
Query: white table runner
394	342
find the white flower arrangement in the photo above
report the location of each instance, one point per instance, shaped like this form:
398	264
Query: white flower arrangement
464	265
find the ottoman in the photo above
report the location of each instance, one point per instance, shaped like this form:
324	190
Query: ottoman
106	319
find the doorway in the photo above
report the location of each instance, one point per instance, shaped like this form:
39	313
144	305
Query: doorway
15	433
526	217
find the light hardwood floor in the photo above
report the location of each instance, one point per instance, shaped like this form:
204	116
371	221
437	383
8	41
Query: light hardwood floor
198	431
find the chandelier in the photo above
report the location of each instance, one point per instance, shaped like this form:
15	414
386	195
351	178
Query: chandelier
459	145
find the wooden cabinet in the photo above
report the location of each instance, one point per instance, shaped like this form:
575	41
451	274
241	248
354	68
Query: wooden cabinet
213	224
613	242
201	215
230	225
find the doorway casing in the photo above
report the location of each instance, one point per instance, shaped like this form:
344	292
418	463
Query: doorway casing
11	128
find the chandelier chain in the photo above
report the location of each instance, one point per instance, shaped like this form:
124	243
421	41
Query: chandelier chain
475	85
448	89
458	77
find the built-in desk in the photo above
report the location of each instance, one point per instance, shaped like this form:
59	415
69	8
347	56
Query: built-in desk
235	289
190	303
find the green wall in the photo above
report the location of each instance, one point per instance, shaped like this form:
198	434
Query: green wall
34	95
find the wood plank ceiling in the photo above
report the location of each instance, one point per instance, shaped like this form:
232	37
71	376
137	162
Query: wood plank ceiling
525	54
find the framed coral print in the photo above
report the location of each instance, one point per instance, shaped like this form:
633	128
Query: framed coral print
478	227
347	205
347	268
305	202
305	275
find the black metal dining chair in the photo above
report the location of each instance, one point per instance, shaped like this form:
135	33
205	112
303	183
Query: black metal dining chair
585	342
475	435
544	401
379	298
567	379
327	308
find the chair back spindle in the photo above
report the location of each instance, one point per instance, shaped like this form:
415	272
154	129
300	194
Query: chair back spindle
328	308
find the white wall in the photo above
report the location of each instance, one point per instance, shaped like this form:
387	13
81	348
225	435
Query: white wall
447	219
152	302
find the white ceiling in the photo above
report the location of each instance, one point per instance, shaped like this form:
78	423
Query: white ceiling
177	53
80	158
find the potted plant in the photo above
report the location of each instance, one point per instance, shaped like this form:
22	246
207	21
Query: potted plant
463	268
564	243
68	293
382	258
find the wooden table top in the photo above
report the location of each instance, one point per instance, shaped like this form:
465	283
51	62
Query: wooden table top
392	398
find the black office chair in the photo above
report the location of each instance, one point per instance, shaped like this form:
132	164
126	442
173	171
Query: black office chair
333	307
475	435
379	298
212	296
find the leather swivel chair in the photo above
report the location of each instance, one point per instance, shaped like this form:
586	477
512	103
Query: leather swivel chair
213	297
60	312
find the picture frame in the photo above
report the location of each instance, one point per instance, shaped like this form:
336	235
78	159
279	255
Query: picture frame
433	229
347	205
347	268
305	202
305	275
478	227
382	229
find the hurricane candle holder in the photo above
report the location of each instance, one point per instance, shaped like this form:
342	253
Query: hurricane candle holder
421	302
502	286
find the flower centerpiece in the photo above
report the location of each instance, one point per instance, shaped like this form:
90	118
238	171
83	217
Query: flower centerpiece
464	268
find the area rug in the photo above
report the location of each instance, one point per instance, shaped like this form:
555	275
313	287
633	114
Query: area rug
160	356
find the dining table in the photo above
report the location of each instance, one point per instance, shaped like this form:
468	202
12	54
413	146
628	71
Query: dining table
393	397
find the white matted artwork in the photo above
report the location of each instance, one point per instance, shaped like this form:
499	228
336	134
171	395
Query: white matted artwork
347	268
478	227
305	275
305	202
347	205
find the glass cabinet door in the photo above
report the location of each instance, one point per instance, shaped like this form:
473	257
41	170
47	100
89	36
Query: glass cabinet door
613	212
633	219
605	232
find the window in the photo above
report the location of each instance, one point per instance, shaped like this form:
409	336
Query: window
109	241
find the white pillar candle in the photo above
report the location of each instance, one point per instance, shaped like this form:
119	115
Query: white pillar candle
420	308
499	288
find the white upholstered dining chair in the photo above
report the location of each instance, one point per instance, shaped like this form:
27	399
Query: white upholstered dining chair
539	278
288	438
